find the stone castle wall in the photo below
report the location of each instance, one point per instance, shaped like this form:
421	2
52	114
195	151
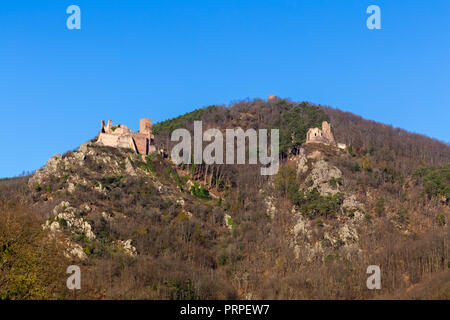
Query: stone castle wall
141	142
120	136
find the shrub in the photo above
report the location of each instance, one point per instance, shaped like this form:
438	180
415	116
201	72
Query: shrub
355	167
200	192
335	182
148	164
402	216
312	203
379	207
350	151
366	165
231	222
223	258
440	220
319	222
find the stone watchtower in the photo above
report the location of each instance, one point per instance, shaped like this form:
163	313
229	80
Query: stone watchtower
145	126
328	135
321	136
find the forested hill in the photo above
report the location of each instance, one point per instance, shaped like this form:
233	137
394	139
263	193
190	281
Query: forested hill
391	148
200	231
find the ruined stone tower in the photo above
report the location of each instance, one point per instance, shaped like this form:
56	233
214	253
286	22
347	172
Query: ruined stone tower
328	135
145	126
317	135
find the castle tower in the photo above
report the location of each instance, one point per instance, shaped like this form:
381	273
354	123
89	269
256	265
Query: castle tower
321	136
145	126
328	135
109	126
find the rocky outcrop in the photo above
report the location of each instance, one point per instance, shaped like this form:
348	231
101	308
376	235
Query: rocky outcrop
127	247
66	216
129	168
353	208
302	162
270	206
56	225
74	250
313	237
50	168
57	164
321	175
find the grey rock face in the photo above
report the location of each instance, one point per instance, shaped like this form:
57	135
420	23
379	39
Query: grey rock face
320	176
302	161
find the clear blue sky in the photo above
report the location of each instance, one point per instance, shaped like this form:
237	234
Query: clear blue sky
163	58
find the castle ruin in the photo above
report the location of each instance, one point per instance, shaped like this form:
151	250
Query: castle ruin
316	135
120	136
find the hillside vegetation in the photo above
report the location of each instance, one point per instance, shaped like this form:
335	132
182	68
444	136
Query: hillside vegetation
142	228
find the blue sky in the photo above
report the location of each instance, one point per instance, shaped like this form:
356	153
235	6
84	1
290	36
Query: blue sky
164	58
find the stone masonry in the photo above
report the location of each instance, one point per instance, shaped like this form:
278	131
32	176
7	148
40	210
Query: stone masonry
120	136
321	136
